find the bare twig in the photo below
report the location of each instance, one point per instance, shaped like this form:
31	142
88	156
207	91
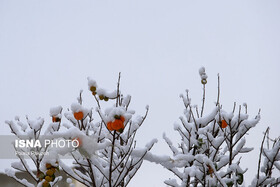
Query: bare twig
203	101
118	91
260	156
111	160
218	96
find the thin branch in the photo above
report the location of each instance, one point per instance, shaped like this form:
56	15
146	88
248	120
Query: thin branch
97	101
91	173
118	91
197	113
203	101
111	160
218	97
260	156
234	105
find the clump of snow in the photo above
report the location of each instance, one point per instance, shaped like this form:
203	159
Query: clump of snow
147	107
91	83
54	111
111	112
69	180
22	125
36	124
101	91
171	182
76	107
17	165
202	73
10	172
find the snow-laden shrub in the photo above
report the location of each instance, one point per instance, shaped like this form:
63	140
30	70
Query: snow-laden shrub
31	132
209	153
105	153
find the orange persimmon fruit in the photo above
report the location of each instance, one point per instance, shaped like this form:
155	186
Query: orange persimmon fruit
122	119
55	119
117	125
78	115
109	126
224	124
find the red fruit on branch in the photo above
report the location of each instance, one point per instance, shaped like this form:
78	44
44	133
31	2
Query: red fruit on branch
118	125
78	115
109	126
55	119
224	124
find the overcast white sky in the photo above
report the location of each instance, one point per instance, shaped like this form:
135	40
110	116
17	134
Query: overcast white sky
49	48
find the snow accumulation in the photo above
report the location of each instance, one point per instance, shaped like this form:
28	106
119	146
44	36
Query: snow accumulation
202	73
55	111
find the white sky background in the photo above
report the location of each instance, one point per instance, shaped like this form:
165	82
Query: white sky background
49	48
